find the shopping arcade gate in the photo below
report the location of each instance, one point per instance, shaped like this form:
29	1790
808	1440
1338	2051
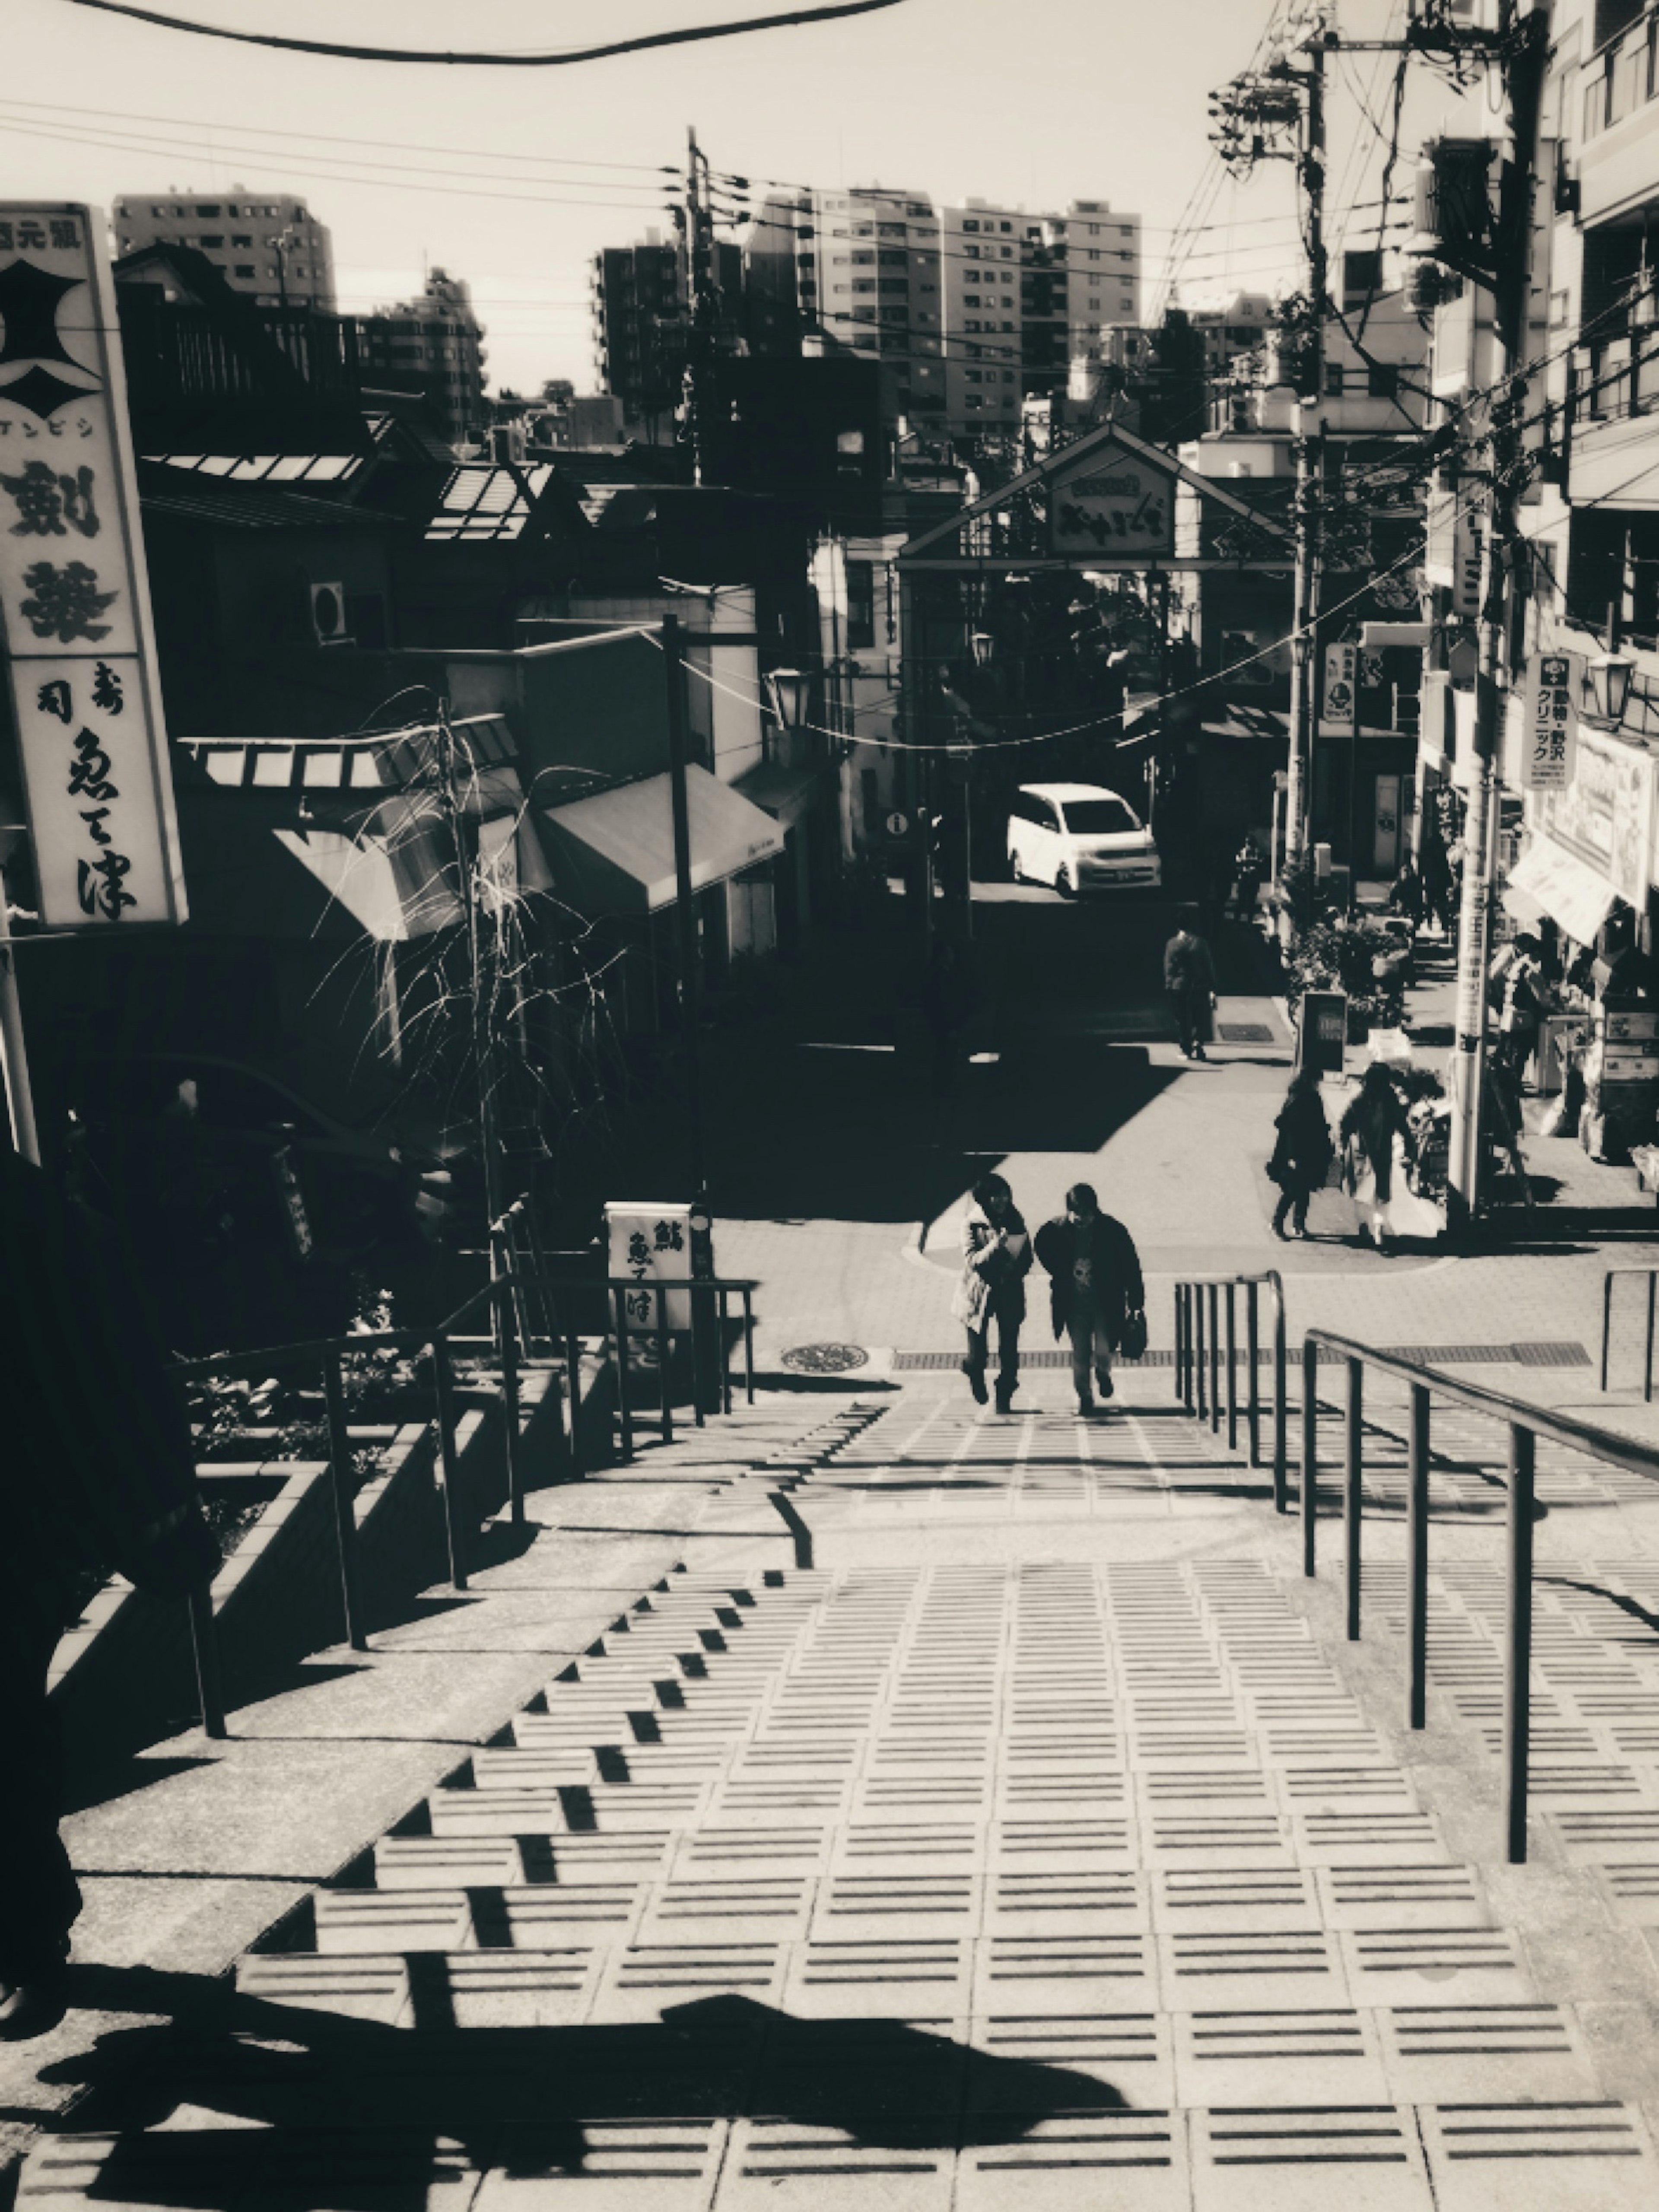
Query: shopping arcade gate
1110	501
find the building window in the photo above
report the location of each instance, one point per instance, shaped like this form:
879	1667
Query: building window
245	269
210	212
860	605
211	238
238	238
970	222
1334	379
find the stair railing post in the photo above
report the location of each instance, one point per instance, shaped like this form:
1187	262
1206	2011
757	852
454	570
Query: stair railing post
1353	1490
665	1423
1180	1347
1309	1454
449	1462
1647	1363
625	1407
1200	1353
1281	1407
1417	1545
1213	1300
342	1491
1517	1641
507	1301
1607	1322
1232	1367
1252	1377
205	1649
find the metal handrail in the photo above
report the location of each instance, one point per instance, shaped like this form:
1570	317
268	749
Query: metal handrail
1525	1424
502	1296
1652	1275
1198	1357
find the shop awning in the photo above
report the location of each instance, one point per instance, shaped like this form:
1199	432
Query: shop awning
614	852
1244	724
783	792
1569	891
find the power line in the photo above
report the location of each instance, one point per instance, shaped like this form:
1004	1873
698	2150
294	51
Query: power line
327	139
559	59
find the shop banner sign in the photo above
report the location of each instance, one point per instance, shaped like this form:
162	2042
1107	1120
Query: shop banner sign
1339	705
1604	813
1115	507
74	615
1549	730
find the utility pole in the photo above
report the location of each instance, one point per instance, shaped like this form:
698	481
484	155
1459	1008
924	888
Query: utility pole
1310	479
1525	54
702	300
685	912
1278	114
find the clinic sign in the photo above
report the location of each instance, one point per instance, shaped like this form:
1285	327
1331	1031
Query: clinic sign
1115	506
75	618
1549	726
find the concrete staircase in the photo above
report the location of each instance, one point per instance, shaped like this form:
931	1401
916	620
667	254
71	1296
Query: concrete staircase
1040	1846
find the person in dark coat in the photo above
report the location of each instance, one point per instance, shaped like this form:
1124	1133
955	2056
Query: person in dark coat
1406	894
97	1471
1438	902
996	1258
1189	984
1374	1119
1094	1285
1302	1153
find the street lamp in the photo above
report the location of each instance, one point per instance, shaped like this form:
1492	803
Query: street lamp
1609	677
789	689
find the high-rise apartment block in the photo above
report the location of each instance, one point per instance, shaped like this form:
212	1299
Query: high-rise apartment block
432	343
268	245
969	311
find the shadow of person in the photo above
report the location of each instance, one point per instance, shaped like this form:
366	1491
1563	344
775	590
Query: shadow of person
306	2110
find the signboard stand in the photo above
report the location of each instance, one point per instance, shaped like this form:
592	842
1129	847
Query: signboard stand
1322	1034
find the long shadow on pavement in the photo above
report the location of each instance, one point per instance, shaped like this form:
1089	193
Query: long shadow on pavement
317	2113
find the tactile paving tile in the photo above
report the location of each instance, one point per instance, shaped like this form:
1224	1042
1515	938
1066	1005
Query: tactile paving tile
1581	2156
1369	2157
1135	2162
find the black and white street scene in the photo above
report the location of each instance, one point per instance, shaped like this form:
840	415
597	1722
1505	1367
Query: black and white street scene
829	1041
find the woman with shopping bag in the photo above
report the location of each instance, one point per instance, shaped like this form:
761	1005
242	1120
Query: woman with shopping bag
1373	1134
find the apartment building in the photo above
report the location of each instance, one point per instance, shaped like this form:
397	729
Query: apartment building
268	245
434	343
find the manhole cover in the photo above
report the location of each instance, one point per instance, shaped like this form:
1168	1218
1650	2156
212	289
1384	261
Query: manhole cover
826	1358
1244	1033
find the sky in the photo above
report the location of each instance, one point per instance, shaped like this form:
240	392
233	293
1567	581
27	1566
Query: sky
514	177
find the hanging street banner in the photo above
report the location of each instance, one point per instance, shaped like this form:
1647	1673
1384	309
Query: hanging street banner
1116	505
75	613
1549	729
1338	704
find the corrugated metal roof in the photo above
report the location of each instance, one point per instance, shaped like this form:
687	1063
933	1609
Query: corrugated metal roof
264	468
382	760
485	502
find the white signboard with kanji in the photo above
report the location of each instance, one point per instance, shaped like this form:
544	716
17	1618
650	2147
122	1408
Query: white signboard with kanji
75	617
647	1242
1549	731
1116	506
1339	705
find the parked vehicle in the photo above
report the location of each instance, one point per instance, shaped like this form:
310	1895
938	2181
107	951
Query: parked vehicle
1078	837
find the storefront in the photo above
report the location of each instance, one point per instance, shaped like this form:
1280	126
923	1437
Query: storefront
1591	844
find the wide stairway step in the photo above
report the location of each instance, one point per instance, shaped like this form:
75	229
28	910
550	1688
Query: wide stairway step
1070	1869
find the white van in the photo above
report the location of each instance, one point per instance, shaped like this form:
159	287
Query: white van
1079	838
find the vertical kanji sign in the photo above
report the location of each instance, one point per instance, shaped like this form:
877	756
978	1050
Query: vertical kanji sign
1550	733
75	615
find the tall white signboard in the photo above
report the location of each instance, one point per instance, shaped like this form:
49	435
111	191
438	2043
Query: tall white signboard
75	615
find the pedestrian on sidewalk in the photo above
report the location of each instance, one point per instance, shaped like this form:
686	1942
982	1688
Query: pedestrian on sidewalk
1189	984
1302	1154
1406	894
1095	1287
1437	885
98	1472
1373	1133
996	1258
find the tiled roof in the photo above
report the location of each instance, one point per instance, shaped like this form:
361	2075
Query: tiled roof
264	468
243	505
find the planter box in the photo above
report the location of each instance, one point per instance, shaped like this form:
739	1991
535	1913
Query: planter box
123	1676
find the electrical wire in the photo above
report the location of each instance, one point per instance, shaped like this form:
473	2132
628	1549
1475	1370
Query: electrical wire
561	58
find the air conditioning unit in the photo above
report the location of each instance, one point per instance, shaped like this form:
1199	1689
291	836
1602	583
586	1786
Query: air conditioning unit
328	614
